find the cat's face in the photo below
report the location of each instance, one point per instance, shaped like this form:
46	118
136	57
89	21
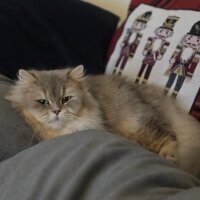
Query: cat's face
53	98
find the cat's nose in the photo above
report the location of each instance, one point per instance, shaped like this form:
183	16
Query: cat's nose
56	111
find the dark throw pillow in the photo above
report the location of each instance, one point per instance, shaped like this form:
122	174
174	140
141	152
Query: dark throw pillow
47	34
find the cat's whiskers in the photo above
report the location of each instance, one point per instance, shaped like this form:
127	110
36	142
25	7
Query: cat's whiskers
70	114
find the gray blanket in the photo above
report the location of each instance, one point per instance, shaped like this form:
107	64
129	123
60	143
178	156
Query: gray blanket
93	165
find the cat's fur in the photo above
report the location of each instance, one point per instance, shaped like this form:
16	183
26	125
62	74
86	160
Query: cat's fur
139	112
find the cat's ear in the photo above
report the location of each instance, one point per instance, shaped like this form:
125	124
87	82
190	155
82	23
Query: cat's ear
25	77
78	73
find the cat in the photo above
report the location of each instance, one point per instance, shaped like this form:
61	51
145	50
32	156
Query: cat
63	101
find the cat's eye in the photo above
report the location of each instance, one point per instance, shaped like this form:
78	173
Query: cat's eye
66	99
43	101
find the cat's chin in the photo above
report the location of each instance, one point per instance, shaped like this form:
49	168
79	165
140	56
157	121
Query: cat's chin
55	126
55	123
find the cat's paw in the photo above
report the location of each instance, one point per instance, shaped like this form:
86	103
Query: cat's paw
169	151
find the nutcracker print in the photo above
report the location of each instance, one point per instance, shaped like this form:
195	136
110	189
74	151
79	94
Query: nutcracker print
128	48
184	60
155	48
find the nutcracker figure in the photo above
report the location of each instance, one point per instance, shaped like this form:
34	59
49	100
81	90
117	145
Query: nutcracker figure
128	48
156	47
184	60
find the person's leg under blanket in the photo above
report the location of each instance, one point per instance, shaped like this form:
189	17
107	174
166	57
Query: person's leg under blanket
91	165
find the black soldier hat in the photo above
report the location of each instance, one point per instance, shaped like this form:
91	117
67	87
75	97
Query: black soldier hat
195	30
170	22
145	17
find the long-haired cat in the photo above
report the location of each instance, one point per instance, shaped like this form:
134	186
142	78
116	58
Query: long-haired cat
59	102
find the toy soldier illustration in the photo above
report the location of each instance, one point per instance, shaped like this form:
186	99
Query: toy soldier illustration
184	60
128	48
156	47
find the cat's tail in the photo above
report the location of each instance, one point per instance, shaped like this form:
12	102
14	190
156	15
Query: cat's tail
188	135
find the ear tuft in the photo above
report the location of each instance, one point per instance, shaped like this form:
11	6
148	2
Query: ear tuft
77	73
25	76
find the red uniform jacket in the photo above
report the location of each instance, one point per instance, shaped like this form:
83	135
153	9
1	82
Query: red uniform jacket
189	66
152	55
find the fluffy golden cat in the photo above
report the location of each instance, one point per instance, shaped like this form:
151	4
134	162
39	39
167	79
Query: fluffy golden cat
60	102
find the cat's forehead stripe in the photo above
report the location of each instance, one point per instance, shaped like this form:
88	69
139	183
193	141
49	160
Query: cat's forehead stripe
62	91
53	86
42	94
